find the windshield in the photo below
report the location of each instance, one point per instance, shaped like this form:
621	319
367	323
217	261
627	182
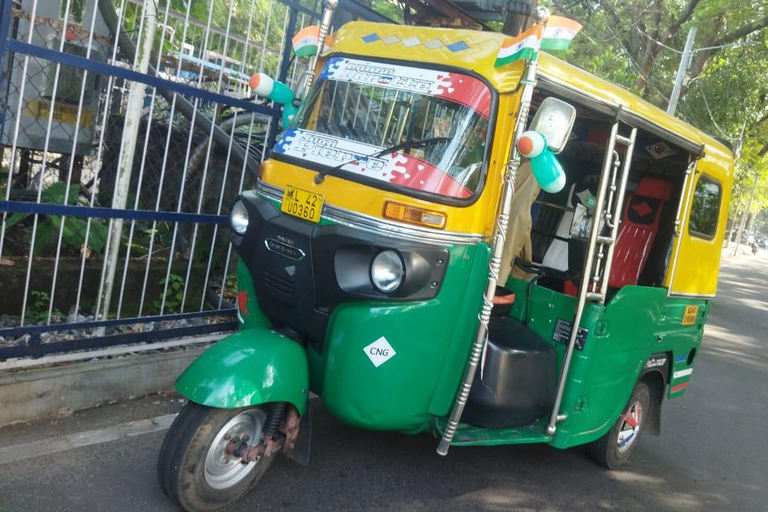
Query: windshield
358	108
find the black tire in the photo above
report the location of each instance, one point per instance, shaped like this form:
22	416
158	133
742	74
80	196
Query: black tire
185	468
607	451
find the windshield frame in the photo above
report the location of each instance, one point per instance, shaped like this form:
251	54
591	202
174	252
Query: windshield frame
399	189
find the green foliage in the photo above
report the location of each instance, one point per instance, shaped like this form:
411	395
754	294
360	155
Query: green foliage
173	294
37	308
73	229
389	8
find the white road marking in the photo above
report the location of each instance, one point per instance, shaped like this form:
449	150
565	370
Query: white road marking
80	439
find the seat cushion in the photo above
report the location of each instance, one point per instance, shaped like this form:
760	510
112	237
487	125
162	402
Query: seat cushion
639	226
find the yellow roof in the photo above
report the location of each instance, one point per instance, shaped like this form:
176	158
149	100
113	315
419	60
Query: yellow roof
477	51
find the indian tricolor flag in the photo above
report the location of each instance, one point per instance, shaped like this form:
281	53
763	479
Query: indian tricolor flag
524	46
305	41
558	33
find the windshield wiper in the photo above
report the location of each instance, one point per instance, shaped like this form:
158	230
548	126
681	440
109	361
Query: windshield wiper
403	145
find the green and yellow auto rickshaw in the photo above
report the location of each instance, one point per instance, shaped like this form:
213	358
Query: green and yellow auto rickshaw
371	254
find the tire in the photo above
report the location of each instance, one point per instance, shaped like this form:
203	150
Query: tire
195	472
615	447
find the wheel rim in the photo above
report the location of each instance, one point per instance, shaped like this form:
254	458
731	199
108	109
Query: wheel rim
630	427
222	470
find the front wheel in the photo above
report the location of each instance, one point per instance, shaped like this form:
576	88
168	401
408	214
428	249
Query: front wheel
614	448
194	468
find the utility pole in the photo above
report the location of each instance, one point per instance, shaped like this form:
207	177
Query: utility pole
744	217
685	62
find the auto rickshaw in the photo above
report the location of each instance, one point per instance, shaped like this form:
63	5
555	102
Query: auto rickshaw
370	257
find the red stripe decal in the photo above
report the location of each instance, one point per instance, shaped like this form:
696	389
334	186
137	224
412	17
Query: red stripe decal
677	388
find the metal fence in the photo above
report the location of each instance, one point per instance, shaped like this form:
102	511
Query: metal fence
128	129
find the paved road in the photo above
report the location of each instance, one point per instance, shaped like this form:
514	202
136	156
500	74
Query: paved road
711	455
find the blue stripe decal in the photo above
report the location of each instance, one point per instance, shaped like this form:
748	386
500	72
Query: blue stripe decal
152	81
109	213
681	359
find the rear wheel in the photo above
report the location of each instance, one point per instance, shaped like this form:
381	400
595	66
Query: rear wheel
614	448
194	468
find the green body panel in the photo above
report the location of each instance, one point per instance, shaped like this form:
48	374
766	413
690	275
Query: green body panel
604	373
250	367
431	340
415	389
681	342
248	313
637	323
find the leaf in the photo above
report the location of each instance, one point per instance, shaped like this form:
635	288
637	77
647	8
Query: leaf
43	236
97	238
15	219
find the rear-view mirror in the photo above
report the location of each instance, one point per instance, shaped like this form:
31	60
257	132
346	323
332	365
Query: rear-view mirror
554	120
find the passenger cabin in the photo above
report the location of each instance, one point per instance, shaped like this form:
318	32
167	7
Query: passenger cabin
673	216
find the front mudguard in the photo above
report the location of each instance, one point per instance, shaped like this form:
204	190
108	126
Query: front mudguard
250	367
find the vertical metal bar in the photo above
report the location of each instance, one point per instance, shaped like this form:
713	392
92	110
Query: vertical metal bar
205	172
72	165
17	123
296	62
369	99
426	120
99	152
617	214
187	159
136	204
285	44
240	190
266	33
227	162
118	29
357	105
325	27
507	193
586	279
285	54
377	127
43	165
134	107
391	112
163	169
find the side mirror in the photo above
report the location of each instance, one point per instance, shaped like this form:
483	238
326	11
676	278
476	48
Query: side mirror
554	120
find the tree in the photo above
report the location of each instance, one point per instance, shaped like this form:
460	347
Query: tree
643	30
637	45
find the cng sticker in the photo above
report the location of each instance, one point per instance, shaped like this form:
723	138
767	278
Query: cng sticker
691	312
379	352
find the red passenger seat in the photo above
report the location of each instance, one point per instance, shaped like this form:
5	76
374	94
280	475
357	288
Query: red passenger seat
639	225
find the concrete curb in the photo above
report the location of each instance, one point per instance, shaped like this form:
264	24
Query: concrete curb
61	390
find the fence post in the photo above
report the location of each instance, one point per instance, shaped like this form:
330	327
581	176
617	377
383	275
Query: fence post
127	151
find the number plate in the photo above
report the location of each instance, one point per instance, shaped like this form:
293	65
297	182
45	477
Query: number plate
302	204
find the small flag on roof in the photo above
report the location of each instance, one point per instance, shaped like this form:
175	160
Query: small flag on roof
305	41
524	46
558	33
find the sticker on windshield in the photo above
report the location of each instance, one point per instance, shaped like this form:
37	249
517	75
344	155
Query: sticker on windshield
396	168
379	352
463	89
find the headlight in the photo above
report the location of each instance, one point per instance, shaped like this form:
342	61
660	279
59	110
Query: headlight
238	218
387	271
